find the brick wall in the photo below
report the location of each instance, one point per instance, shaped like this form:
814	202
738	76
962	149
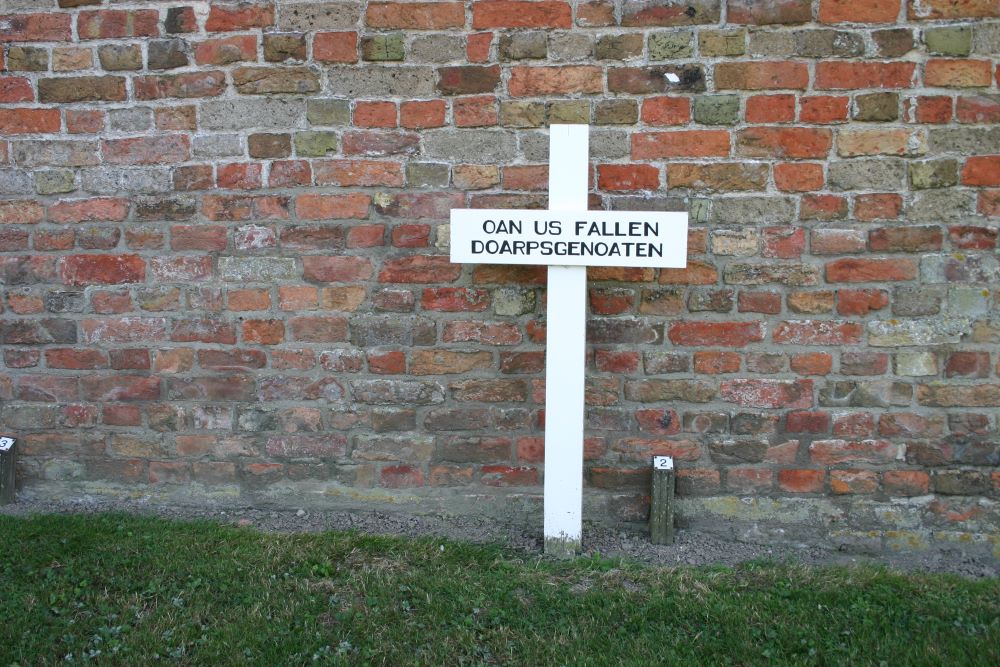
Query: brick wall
223	253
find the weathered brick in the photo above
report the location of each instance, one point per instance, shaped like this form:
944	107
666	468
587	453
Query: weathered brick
517	14
761	76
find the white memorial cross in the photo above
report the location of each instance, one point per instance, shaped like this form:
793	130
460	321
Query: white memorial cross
568	238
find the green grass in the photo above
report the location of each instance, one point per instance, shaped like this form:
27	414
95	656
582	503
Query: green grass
121	590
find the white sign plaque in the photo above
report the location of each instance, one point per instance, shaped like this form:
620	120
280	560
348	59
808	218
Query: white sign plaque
663	463
572	238
568	238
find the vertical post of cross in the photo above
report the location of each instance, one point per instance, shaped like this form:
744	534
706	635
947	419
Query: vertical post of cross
565	351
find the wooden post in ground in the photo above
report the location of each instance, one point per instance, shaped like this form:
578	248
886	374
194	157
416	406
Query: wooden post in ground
8	456
661	511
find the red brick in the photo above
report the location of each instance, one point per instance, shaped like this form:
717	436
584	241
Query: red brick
526	177
860	302
76	359
905	482
29	121
416	15
696	273
131	359
468	79
951	9
853	11
768	393
666	110
263	332
770	109
933	109
336	269
289	173
477	47
243	16
455	299
835	452
203	330
759	302
823	108
769	12
489	333
108	388
336	47
852	270
366	236
801	481
84	121
763	75
683	143
419	269
970	237
103	209
102	269
112	23
977	109
823	207
165	149
410	236
226	50
988	203
834	75
906	239
716	334
500	475
818	332
194	177
375	114
856	425
853	481
475	111
956	73
807	422
239	176
327	207
358	173
715	363
515	14
811	363
374	143
968	364
981	170
878	207
619	177
15	89
21	212
249	299
35	28
194	84
554	80
784	142
611	302
798	177
749	479
420	115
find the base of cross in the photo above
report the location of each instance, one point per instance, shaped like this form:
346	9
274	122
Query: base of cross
562	546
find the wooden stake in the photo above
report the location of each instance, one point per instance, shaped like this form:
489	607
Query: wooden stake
8	455
661	511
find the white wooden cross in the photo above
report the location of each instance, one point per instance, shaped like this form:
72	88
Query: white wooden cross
568	238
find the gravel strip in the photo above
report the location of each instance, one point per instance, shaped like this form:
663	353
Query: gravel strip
690	548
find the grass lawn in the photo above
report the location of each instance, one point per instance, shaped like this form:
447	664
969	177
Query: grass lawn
121	590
